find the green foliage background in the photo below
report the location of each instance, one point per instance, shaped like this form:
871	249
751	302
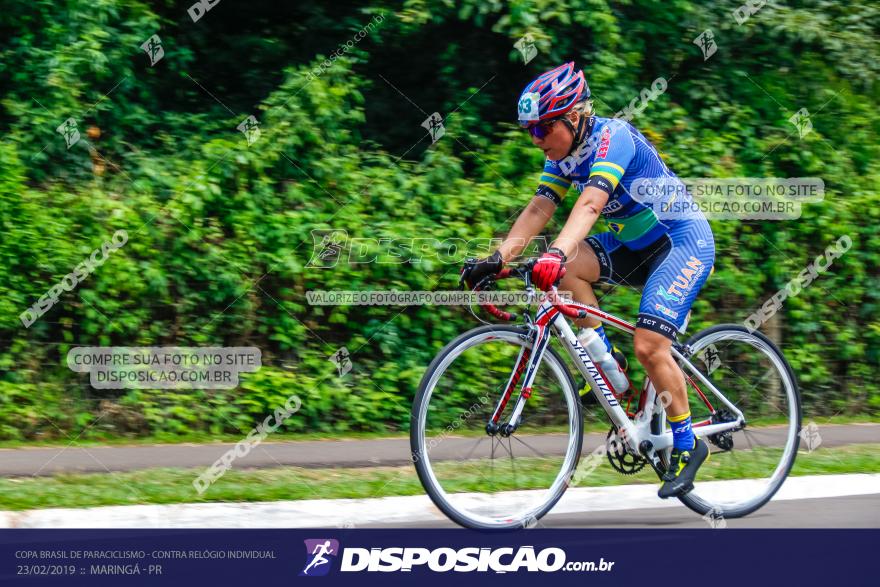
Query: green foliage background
220	233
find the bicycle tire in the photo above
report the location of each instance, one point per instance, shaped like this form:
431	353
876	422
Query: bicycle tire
692	500
422	464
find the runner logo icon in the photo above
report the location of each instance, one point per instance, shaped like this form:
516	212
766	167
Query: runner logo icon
319	554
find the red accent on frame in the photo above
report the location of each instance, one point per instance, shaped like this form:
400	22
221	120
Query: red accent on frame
701	394
516	376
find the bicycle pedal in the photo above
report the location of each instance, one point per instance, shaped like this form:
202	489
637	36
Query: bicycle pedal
587	398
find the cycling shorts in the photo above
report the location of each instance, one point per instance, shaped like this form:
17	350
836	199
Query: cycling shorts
671	271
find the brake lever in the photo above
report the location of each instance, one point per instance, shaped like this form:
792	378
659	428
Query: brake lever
469	264
485	283
530	291
527	276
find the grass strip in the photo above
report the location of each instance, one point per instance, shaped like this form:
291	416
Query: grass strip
163	486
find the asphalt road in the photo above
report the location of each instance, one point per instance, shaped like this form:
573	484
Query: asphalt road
860	511
321	453
818	501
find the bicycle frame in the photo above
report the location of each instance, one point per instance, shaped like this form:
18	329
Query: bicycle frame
636	433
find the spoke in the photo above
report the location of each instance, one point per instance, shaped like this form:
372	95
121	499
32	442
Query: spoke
747	376
476	444
527	445
734	455
752	388
501	444
755	386
492	465
755	432
770	370
748	439
512	462
730	342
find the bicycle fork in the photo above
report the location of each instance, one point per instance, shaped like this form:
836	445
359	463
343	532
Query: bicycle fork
527	362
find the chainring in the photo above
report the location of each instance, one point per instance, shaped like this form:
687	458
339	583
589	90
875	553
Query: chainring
620	458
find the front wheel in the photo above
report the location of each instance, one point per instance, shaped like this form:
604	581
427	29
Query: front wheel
486	480
748	465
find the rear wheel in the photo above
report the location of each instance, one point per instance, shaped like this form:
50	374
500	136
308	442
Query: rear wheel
748	465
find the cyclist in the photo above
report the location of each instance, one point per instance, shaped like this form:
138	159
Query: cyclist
671	258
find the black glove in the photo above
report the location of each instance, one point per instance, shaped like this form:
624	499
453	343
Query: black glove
475	270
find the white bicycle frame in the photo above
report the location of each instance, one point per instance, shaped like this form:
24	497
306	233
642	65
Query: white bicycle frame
636	433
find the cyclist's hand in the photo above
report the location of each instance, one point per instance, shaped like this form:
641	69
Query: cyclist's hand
474	271
549	269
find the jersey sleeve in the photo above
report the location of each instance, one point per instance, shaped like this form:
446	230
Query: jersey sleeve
553	185
615	152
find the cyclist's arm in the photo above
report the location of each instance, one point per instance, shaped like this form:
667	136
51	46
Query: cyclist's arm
552	187
530	222
581	220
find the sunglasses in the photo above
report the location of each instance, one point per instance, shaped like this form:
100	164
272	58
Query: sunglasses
542	129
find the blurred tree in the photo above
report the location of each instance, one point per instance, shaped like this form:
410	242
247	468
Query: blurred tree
220	231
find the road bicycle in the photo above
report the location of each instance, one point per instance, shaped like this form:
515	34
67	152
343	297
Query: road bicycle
497	426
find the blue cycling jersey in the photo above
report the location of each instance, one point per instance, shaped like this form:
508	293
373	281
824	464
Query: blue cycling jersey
670	258
613	158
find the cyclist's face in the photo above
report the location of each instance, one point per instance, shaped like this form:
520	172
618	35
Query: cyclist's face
557	143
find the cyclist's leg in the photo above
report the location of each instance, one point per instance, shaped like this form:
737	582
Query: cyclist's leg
670	290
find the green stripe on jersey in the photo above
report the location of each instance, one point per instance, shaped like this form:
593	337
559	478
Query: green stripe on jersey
630	229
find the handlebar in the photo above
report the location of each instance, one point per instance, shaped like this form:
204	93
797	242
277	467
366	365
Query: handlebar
524	272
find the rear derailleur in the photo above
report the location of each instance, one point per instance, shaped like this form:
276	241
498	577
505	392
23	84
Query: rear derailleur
723	440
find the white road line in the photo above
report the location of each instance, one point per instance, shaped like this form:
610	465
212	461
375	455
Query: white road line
327	513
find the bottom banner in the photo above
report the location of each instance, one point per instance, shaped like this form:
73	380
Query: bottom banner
338	557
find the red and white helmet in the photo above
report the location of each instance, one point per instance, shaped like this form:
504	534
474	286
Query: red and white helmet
552	94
